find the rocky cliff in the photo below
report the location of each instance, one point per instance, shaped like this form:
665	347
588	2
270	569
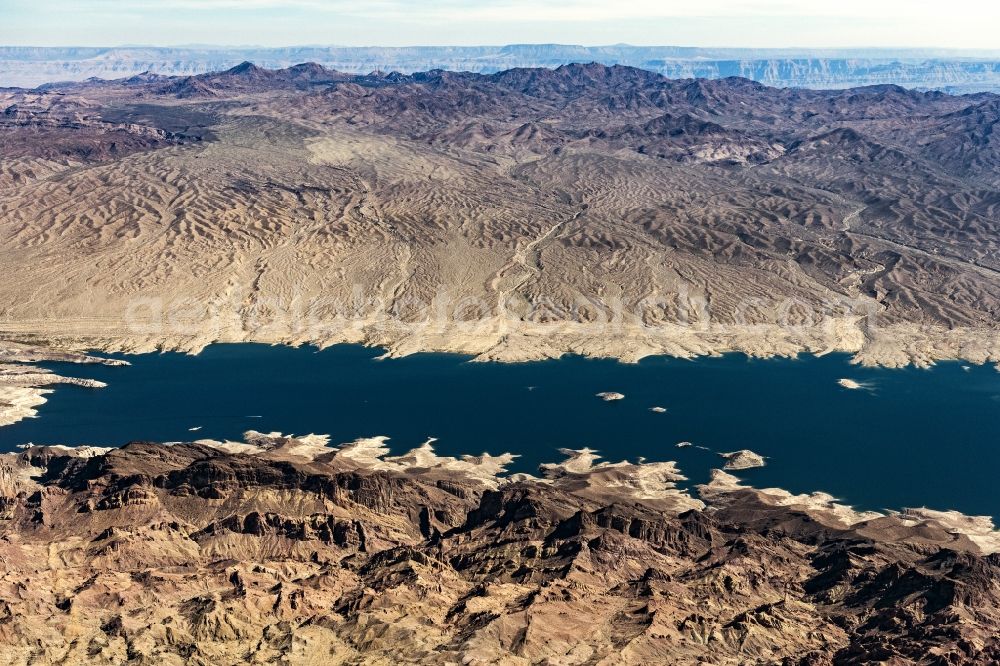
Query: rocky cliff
282	550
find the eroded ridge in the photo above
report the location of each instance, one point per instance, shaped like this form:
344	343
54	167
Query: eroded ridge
283	547
605	211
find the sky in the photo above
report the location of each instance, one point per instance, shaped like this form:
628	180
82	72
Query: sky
969	24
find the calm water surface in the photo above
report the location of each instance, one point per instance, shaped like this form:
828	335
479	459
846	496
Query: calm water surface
916	438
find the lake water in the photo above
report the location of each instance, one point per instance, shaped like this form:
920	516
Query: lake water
914	438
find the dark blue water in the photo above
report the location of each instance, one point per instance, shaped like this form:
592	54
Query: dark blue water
918	438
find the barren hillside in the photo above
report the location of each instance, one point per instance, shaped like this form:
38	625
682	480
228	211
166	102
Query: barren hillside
600	210
281	550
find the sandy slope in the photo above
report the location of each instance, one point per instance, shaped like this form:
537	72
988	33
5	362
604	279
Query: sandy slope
601	211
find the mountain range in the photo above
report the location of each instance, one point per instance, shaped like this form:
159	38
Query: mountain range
506	215
286	550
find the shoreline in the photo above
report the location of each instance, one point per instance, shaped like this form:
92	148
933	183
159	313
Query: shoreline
24	383
582	472
30	397
19	398
504	340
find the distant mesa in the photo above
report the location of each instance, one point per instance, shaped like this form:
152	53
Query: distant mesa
971	71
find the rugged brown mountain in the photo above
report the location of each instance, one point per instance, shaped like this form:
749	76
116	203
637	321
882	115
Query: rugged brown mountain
282	551
503	215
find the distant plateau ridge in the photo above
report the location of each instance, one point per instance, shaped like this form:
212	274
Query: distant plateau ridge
947	70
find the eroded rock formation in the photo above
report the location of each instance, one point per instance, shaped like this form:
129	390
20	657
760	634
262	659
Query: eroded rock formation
281	550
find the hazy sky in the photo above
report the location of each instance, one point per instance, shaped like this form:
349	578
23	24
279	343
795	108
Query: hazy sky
758	23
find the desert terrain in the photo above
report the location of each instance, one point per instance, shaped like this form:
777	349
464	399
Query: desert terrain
588	209
603	211
285	550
